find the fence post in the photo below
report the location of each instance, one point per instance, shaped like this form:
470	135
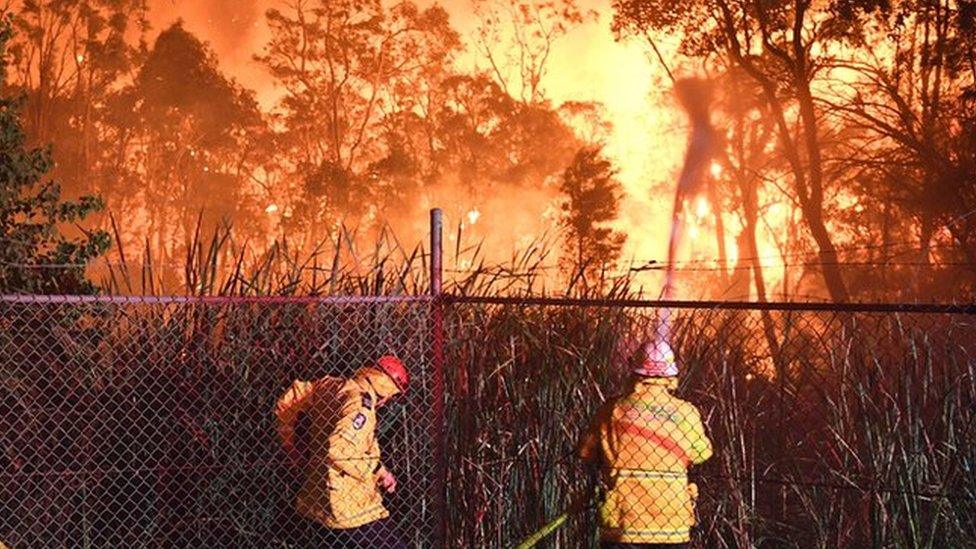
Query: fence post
436	252
437	363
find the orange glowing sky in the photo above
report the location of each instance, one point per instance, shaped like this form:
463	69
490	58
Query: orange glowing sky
586	65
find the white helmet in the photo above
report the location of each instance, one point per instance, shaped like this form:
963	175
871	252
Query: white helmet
656	360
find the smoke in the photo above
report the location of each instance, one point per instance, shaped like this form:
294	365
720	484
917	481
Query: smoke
586	65
493	227
234	29
229	25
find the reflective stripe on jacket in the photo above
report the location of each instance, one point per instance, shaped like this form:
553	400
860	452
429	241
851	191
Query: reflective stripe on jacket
339	489
644	443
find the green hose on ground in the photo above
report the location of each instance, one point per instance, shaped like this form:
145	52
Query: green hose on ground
580	505
543	532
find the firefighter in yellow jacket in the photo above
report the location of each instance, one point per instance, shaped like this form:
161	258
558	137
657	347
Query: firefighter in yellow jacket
343	474
644	443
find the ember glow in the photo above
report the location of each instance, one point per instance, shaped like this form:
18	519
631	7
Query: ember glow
587	64
217	111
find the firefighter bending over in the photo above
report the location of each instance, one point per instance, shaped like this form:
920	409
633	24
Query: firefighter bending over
644	443
342	471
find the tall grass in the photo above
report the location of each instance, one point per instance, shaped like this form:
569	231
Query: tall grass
831	429
861	433
351	262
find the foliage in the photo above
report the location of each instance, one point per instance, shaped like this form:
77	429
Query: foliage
914	113
37	255
869	149
592	201
68	57
376	121
353	72
195	139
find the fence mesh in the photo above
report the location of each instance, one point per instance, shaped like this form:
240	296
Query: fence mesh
130	423
829	428
148	422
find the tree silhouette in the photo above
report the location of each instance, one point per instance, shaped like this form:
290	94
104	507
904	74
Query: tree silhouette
592	199
349	69
196	148
68	57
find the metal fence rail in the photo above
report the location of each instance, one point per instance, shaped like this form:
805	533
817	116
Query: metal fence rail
136	422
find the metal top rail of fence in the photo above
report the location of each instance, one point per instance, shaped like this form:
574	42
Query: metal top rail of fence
211	300
533	301
948	308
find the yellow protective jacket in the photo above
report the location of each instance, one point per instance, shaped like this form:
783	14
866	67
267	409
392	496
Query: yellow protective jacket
339	489
644	443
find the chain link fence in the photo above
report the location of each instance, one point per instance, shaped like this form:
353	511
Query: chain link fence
132	422
144	422
829	426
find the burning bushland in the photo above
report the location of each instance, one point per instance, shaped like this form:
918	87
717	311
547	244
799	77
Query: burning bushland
844	167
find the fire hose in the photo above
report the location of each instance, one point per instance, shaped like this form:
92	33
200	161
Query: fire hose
543	532
579	505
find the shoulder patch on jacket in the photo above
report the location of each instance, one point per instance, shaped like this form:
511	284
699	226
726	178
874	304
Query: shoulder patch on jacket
367	401
359	421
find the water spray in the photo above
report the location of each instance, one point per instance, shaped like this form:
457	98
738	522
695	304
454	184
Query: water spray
695	95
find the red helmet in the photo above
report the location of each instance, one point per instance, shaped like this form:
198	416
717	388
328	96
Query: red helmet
393	367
